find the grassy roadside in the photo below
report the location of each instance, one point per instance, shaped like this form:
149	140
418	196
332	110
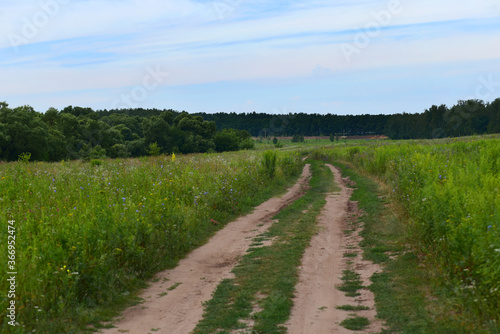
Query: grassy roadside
259	298
408	295
89	237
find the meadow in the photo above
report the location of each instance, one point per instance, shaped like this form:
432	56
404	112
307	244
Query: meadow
89	234
450	194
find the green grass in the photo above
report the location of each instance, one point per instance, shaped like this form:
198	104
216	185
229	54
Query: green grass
89	236
410	294
448	190
174	286
355	323
351	283
266	276
353	308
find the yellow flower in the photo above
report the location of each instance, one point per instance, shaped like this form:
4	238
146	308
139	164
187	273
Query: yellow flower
173	156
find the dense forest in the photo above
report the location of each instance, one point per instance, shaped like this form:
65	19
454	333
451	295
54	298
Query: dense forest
82	133
465	118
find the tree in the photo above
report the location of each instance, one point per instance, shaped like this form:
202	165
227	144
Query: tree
226	140
23	131
57	145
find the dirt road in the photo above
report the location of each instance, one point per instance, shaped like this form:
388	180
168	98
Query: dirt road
317	297
173	305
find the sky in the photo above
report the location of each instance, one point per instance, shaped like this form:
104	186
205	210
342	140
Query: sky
312	56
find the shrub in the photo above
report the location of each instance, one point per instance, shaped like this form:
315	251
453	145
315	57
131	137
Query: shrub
24	157
154	149
247	144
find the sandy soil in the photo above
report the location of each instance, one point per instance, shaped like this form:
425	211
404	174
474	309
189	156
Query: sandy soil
316	295
177	311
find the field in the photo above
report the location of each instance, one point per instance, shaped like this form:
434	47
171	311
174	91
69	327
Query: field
449	191
90	234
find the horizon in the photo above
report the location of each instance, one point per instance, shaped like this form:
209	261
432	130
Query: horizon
312	57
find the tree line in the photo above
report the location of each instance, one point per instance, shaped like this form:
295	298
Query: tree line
82	133
465	118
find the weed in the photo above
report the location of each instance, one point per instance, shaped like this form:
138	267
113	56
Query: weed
89	238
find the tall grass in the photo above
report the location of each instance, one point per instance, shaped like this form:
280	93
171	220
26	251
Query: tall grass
450	191
89	234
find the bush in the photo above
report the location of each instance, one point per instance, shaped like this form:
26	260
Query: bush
247	144
96	162
154	149
97	153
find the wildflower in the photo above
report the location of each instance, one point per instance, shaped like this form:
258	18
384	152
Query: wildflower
173	157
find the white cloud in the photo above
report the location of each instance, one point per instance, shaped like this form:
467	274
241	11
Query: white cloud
107	44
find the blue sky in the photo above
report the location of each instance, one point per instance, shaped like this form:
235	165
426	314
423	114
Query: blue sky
312	56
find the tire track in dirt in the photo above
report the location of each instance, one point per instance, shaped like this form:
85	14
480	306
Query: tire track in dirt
178	311
316	296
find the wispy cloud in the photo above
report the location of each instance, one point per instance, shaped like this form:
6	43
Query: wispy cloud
92	49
